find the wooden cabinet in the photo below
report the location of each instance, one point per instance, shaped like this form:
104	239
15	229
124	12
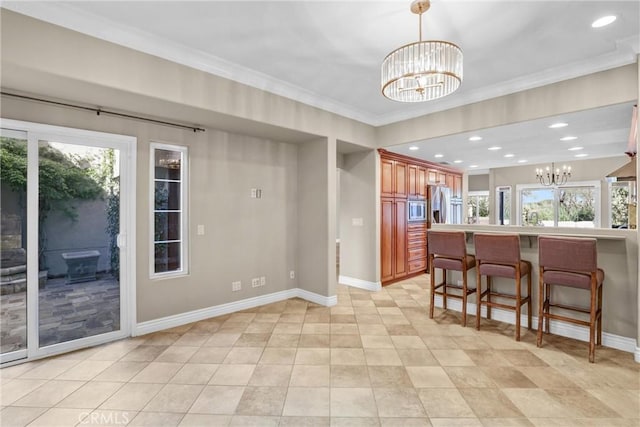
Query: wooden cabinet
403	249
416	247
417	179
432	176
457	186
393	253
422	183
394	182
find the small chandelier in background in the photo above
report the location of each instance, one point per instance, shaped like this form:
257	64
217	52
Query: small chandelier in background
553	176
422	71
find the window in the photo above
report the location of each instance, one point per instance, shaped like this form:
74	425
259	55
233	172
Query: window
478	207
503	205
619	193
169	215
576	205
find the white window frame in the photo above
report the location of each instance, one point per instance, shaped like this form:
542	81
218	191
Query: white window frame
597	202
478	193
610	186
184	225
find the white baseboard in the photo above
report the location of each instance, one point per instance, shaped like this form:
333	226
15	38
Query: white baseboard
232	307
359	283
563	329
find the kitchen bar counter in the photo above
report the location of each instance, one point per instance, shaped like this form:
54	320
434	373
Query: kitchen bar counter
617	256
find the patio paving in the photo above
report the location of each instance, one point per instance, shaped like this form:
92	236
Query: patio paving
67	312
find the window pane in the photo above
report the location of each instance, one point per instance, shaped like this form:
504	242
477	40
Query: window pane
167	226
167	195
537	207
168	164
576	207
167	256
620	205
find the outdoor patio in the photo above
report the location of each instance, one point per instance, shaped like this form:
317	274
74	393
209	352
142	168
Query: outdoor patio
67	312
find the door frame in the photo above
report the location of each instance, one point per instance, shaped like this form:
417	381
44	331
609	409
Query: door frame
126	240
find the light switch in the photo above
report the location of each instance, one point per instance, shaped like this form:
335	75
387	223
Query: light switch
357	222
200	230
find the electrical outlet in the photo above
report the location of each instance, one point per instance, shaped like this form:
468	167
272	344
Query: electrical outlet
255	282
254	193
263	280
292	274
200	231
236	286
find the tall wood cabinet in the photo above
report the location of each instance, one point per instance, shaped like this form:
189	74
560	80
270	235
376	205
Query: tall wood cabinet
404	244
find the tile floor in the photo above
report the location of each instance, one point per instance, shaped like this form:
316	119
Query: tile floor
375	359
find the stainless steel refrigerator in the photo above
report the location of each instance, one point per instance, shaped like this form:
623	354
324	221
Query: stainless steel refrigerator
443	208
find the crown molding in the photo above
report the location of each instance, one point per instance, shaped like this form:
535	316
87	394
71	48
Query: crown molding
66	15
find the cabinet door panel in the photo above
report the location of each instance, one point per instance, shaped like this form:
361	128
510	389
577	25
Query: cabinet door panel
422	182
387	176
457	186
432	176
387	220
400	239
400	179
449	180
413	180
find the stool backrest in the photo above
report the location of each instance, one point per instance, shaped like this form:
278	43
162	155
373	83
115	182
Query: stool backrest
447	243
567	253
497	248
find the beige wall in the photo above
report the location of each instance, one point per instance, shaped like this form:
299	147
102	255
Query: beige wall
244	238
358	201
478	182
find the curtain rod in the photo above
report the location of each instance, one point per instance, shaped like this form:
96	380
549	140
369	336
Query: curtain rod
99	111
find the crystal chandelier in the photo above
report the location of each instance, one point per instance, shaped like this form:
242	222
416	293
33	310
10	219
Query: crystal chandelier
422	71
553	176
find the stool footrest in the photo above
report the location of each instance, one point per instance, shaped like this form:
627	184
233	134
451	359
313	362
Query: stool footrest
569	307
506	306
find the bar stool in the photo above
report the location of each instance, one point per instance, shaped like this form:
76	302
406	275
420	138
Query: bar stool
498	255
448	251
570	262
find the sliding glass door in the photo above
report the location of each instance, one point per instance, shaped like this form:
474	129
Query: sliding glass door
72	278
13	249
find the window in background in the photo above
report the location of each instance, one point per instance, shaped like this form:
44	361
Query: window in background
575	205
169	216
503	205
619	193
478	207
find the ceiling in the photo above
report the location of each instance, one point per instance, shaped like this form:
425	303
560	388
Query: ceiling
328	53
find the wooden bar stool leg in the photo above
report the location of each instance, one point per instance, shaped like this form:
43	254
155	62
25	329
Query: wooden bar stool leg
592	321
529	301
478	297
540	310
547	307
599	342
518	306
444	289
489	297
432	281
464	298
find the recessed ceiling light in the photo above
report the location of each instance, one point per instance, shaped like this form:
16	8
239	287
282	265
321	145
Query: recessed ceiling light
475	138
413	148
576	148
568	138
558	125
604	21
437	156
457	161
473	166
522	161
582	155
494	148
509	155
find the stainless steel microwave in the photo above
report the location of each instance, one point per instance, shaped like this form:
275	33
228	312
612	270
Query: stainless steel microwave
417	210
